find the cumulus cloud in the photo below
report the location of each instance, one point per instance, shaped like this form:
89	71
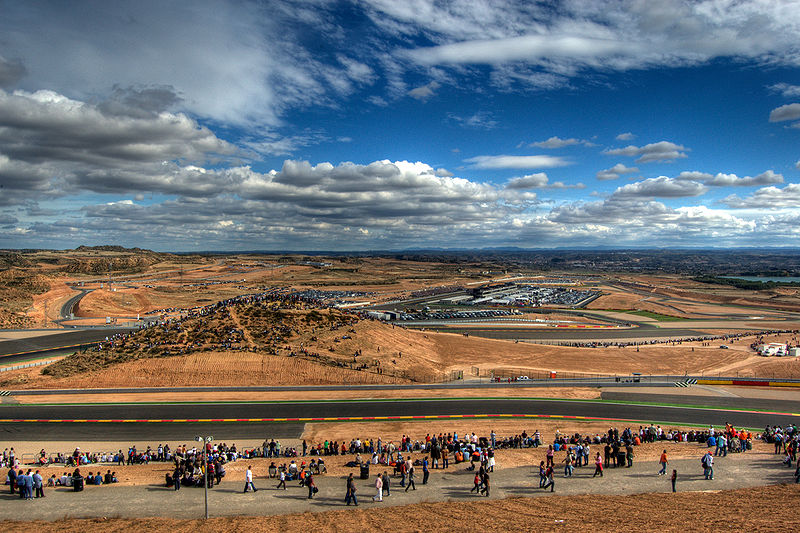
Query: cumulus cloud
615	172
767	198
627	136
784	113
51	145
731	180
531	181
517	161
661	187
650	153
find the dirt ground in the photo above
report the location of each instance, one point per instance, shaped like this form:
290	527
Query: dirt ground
504	392
752	509
424	354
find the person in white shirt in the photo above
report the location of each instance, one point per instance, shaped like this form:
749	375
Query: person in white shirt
378	488
248	480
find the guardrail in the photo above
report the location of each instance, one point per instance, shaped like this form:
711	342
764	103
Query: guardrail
28	365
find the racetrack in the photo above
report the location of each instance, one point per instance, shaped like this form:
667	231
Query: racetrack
203	416
56	340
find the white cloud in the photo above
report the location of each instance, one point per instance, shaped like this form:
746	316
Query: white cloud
51	145
767	198
425	91
478	120
627	136
731	180
797	165
615	172
785	112
531	181
661	187
787	90
660	151
515	37
556	142
517	161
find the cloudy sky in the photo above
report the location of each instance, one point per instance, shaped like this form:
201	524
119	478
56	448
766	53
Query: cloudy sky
379	124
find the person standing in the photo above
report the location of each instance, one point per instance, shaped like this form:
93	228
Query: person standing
664	462
708	465
425	471
248	480
12	479
311	486
38	484
629	454
176	478
378	488
350	491
598	465
674	479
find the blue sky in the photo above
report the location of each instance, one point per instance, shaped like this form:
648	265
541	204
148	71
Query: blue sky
376	124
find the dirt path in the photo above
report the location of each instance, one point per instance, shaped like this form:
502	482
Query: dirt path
246	332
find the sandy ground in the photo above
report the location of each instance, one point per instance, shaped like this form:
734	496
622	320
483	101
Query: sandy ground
505	392
750	509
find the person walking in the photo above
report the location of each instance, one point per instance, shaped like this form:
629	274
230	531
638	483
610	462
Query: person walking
598	465
477	481
549	478
281	480
674	479
410	482
350	491
542	476
550	455
378	489
664	462
248	480
485	481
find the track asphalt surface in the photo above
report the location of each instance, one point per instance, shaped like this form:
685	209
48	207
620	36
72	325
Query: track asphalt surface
332	410
44	343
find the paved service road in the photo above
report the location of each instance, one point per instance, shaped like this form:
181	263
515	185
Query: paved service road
645	413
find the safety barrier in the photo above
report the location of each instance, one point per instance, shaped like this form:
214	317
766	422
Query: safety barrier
28	365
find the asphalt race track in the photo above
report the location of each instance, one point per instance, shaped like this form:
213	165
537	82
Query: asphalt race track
44	343
415	408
